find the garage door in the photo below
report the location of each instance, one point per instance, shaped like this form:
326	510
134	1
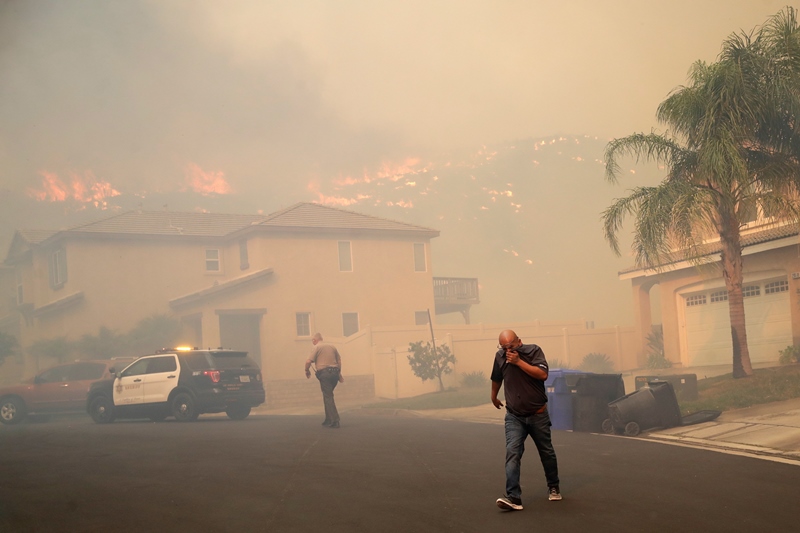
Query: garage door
707	323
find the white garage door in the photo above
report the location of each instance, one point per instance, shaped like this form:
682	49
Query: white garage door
708	329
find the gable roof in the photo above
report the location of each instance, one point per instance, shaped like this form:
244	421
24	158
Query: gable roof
775	232
306	215
300	217
169	223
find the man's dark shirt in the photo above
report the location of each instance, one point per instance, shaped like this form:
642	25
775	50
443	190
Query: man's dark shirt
525	395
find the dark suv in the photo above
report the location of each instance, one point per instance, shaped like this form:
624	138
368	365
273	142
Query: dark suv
182	383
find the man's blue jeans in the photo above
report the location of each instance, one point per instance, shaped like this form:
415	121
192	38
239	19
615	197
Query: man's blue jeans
517	430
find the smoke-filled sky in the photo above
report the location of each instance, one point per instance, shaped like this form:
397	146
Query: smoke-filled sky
134	93
270	103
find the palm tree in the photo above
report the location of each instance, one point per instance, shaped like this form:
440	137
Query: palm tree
733	148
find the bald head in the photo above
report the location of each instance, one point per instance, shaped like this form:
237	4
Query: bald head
507	337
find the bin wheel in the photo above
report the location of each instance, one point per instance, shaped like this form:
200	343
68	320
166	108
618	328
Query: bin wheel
631	429
608	426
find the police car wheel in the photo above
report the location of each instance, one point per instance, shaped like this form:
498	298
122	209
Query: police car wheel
184	408
102	410
238	412
12	410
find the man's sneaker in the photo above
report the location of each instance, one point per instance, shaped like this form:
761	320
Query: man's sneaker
326	422
509	503
334	425
554	494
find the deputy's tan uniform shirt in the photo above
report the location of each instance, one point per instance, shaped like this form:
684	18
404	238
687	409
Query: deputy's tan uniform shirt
324	356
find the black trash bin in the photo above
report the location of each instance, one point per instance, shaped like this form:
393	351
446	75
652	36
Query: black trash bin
593	393
649	407
685	385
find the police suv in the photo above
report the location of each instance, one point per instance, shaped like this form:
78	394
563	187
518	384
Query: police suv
181	382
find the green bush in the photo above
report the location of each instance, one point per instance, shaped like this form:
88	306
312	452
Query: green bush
474	380
790	354
655	350
596	362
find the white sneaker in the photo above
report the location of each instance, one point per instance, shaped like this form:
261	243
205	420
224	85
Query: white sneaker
554	495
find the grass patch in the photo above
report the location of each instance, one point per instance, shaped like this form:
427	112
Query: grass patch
723	393
449	399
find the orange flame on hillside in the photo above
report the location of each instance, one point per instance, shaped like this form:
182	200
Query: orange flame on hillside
86	188
386	170
206	183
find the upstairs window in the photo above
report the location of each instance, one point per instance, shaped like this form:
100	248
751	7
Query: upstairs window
20	288
212	261
244	261
349	324
58	269
345	257
303	324
419	257
421	318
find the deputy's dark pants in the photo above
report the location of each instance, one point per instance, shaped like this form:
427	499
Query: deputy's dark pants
328	379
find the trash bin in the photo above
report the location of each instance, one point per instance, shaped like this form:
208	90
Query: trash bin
685	385
560	387
654	405
593	393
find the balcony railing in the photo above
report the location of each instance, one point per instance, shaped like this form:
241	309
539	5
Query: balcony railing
456	290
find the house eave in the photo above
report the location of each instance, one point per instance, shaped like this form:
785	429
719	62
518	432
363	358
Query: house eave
199	296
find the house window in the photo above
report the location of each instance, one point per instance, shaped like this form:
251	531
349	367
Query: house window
212	260
345	257
303	324
776	286
719	296
419	257
58	269
20	291
697	299
421	318
751	290
349	324
244	262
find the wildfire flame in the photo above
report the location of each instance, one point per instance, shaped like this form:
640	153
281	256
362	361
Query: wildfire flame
84	188
206	183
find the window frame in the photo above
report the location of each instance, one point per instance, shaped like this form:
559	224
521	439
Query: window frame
349	256
417	315
776	287
57	268
297	324
424	257
244	257
344	323
209	260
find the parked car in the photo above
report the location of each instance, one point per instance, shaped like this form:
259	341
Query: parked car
182	383
61	389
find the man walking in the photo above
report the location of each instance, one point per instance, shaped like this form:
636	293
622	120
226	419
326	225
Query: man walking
328	369
523	370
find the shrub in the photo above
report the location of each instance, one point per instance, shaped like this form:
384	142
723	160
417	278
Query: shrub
429	365
790	354
655	350
596	362
474	379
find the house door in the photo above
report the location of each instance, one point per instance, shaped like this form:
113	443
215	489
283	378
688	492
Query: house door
707	326
242	332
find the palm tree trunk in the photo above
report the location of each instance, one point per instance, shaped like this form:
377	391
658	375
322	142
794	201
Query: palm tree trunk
732	271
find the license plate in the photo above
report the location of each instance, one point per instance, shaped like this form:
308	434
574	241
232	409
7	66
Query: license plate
244	379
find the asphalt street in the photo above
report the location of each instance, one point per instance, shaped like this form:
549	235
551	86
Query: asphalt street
375	474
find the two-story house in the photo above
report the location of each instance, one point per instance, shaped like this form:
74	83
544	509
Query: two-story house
263	283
